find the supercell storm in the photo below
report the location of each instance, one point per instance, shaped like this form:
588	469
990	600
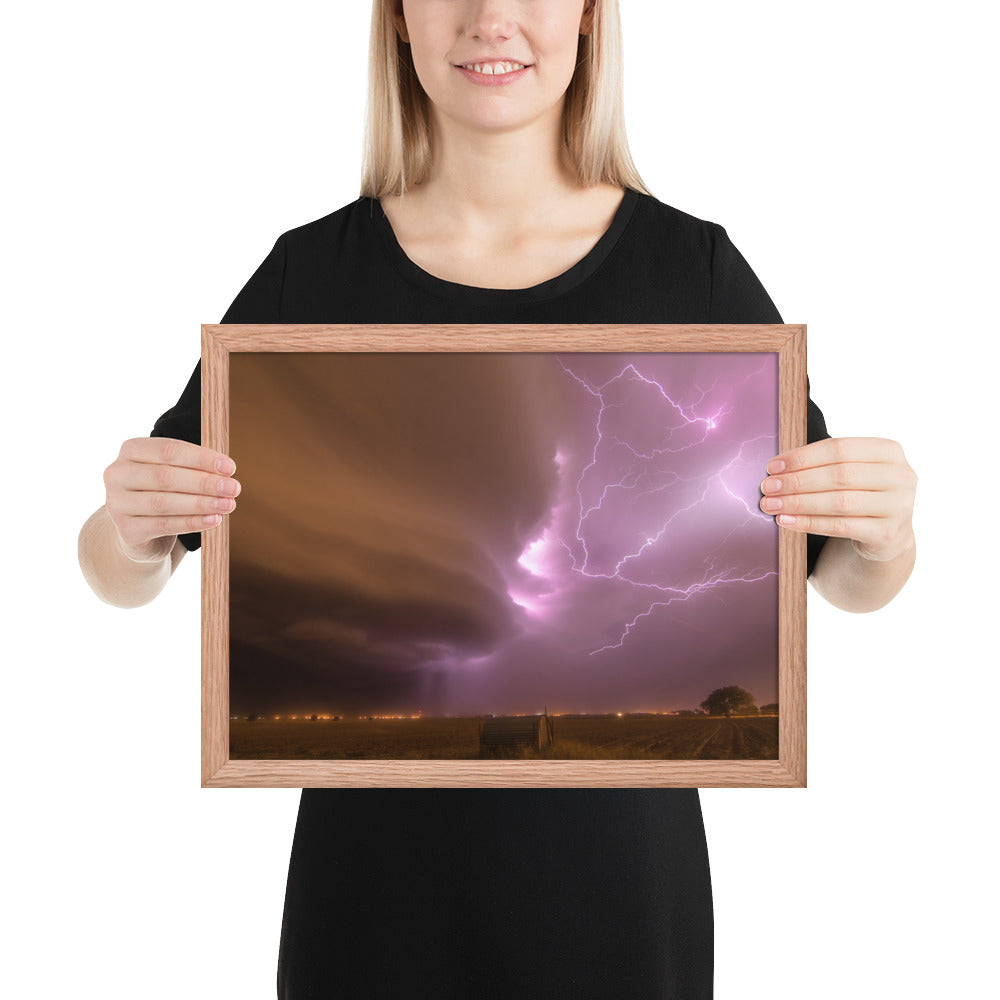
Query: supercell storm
469	533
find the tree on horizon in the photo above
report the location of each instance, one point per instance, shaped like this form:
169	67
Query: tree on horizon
727	700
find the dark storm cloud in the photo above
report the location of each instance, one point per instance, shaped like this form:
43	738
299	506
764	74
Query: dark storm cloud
381	496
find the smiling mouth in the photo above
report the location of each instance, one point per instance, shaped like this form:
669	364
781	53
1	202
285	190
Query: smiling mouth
493	68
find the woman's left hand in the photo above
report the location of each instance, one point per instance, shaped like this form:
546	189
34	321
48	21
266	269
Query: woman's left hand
857	488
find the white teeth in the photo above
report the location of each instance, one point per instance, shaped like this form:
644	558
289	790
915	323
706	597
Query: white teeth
495	69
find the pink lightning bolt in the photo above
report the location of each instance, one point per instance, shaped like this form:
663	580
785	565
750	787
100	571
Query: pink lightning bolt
626	468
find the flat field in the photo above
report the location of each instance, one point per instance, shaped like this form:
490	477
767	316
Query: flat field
576	737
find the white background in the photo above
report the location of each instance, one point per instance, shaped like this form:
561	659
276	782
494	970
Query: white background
155	152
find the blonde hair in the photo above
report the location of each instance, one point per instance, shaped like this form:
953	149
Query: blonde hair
397	139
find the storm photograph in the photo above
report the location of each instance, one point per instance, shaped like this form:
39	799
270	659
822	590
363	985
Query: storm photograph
460	555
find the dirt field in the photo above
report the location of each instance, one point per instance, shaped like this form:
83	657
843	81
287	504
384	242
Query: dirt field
577	737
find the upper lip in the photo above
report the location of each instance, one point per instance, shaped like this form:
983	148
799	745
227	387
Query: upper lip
492	59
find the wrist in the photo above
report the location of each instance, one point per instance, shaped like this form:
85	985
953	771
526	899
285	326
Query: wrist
157	550
899	550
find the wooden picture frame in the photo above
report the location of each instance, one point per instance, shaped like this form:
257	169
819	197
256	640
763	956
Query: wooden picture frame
784	345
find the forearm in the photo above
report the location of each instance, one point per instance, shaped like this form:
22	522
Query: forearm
852	583
111	574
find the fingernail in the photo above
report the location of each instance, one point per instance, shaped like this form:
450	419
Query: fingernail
771	485
771	503
775	465
786	519
210	519
225	466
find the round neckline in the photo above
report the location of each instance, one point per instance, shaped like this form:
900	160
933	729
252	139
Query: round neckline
552	287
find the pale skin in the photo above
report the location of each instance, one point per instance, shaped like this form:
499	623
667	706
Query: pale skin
156	489
502	208
858	492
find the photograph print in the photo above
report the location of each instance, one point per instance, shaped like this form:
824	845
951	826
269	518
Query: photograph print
552	556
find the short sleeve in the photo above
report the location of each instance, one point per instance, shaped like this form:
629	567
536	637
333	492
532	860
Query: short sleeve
258	302
737	296
815	431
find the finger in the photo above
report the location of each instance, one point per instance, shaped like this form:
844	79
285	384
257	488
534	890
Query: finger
143	477
173	451
833	451
154	503
866	530
842	503
845	476
135	531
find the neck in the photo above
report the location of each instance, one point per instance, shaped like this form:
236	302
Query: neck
498	181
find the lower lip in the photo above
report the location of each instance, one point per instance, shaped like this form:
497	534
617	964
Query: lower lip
485	80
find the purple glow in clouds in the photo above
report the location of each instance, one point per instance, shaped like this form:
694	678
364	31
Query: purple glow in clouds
661	461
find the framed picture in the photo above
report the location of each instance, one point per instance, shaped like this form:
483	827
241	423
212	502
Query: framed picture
503	555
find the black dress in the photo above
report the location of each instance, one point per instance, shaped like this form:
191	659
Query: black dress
582	893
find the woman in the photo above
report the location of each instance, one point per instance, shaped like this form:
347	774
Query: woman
500	195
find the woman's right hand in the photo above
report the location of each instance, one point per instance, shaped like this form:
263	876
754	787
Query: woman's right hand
158	488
